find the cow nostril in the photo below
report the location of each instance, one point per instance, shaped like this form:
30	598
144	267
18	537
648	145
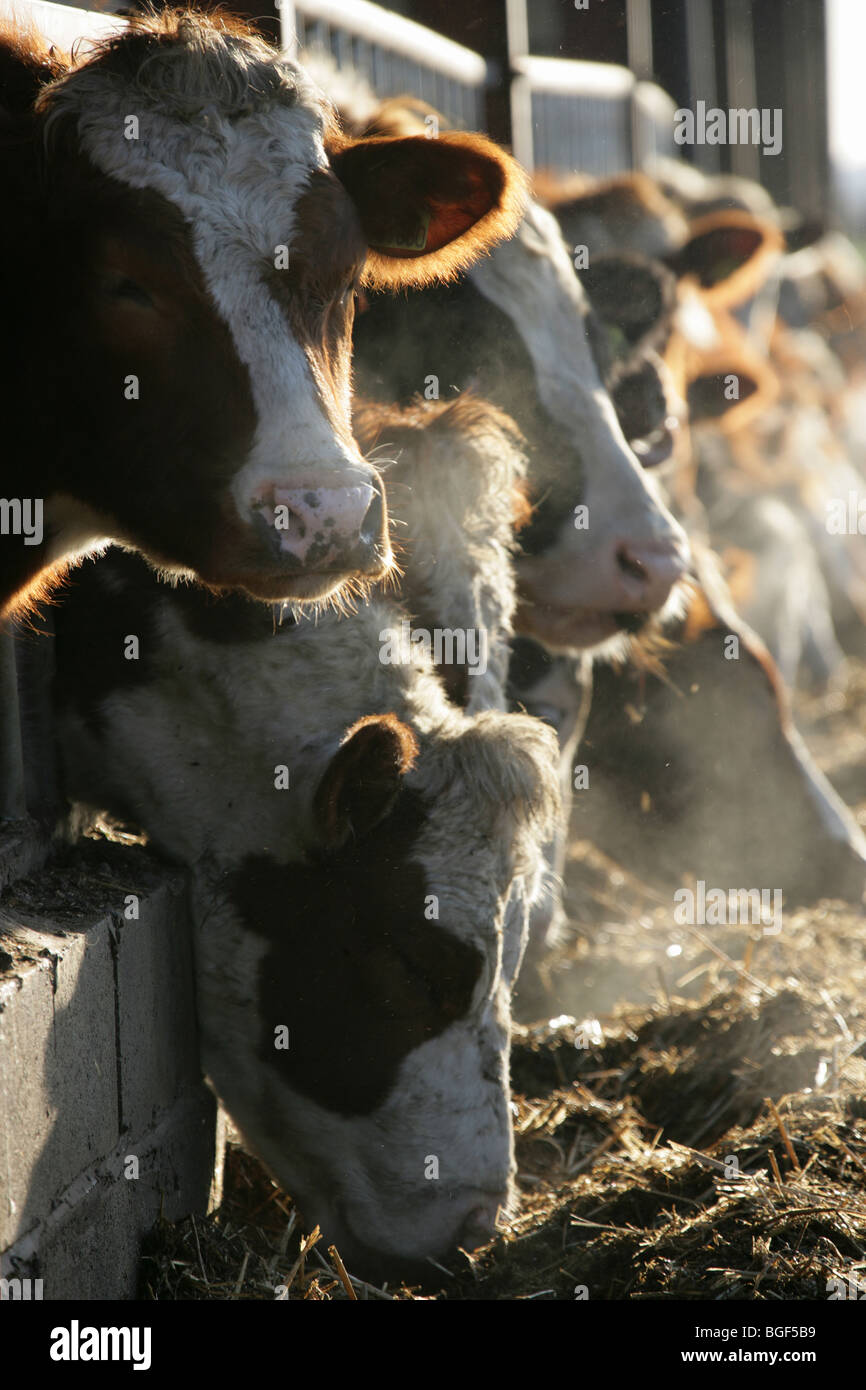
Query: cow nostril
630	565
371	526
478	1227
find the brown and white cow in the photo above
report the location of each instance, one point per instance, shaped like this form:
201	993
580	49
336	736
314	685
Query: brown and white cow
601	552
695	765
362	857
184	230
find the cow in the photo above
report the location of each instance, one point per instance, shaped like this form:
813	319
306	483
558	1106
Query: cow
658	792
695	765
626	213
743	394
185	228
361	853
662	787
455	486
601	553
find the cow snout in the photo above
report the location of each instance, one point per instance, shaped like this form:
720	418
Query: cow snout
318	528
479	1225
646	574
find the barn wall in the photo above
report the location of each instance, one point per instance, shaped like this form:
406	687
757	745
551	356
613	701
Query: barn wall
104	1117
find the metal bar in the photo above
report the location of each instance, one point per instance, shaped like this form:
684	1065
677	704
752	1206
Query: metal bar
398	35
638	18
62	24
702	73
740	69
13	805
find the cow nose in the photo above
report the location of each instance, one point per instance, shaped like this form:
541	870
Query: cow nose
323	528
647	573
479	1226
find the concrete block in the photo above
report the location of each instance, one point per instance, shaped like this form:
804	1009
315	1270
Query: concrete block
88	1245
58	1068
157	1033
98	1067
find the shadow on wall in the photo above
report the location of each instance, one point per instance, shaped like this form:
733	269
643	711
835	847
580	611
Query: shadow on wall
104	1117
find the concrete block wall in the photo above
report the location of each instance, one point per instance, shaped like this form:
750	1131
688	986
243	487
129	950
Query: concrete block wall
104	1118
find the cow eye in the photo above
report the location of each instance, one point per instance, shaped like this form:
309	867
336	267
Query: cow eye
130	292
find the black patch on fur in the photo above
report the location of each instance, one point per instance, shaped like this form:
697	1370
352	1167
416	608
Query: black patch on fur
354	970
528	663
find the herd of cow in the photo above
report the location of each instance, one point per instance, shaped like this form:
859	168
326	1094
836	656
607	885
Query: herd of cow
611	421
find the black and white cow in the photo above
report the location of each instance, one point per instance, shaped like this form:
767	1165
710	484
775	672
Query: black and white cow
362	855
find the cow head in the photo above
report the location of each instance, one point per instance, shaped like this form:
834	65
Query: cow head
190	231
624	213
601	552
388	955
753	808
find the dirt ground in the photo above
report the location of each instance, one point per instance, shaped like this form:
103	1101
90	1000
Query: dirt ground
690	1116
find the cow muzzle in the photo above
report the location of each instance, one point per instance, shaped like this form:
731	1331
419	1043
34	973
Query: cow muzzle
316	527
644	575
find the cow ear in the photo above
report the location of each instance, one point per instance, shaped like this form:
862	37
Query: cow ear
429	208
27	64
730	255
730	392
635	299
363	778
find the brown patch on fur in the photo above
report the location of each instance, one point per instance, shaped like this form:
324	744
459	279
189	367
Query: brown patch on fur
349	943
27	64
317	288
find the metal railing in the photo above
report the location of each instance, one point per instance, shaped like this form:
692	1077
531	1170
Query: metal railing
395	55
595	118
62	24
